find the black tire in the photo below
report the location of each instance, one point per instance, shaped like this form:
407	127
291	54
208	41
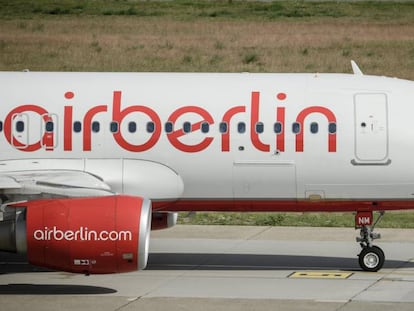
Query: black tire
371	259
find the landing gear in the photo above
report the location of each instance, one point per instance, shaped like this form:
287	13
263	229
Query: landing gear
372	257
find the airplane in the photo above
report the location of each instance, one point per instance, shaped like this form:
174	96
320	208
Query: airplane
91	162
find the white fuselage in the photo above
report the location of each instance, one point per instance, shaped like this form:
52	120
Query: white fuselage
226	141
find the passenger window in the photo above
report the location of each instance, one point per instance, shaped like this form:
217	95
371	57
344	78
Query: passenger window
19	126
278	128
296	127
95	126
187	127
259	127
332	128
241	127
150	127
132	127
205	127
114	127
49	126
169	127
77	126
314	127
223	127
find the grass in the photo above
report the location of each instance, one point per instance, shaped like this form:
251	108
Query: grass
125	43
192	10
209	36
283	36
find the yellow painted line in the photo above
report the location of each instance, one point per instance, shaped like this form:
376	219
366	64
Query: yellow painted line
320	275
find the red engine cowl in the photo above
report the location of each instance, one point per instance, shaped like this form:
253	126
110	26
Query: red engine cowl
89	235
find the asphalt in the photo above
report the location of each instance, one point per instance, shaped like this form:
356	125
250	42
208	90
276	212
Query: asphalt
229	268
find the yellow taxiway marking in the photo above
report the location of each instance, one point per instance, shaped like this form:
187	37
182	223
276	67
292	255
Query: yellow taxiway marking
320	275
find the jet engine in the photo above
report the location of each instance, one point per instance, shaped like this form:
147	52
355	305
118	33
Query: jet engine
83	235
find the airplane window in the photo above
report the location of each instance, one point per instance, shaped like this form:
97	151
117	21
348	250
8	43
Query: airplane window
241	127
332	128
314	127
49	126
95	126
205	127
113	127
296	127
132	127
150	127
1	126
77	126
223	127
277	127
259	127
169	127
19	126
187	127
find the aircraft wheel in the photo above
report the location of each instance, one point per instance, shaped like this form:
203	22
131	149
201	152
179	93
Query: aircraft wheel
371	259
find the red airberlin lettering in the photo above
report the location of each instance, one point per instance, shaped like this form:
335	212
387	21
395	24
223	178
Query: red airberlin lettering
45	140
253	121
176	138
225	137
87	125
176	134
280	137
118	115
301	119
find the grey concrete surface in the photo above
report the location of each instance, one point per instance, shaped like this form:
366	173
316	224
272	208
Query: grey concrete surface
227	268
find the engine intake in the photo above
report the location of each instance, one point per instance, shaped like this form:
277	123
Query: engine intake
13	230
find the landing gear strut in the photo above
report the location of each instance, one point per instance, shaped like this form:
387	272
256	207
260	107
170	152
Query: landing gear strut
372	257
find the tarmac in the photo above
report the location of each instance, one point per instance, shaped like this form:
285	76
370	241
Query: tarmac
229	268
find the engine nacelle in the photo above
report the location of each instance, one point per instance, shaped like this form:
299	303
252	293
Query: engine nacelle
163	220
83	235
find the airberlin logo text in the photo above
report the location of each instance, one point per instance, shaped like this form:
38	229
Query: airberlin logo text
81	234
177	131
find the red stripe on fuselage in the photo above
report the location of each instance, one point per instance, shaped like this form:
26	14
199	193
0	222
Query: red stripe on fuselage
256	205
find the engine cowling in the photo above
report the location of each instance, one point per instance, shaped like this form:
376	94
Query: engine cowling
86	235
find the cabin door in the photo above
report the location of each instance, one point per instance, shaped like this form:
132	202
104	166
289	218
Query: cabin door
371	129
